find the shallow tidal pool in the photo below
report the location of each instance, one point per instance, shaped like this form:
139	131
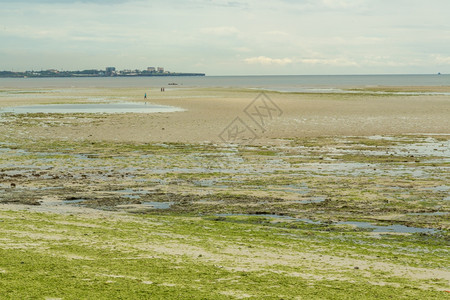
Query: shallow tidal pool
110	108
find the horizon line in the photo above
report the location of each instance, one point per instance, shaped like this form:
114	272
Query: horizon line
267	75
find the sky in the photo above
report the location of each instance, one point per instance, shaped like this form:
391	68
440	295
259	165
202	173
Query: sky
221	37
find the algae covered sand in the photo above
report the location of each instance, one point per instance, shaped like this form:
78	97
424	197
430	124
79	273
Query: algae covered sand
140	257
313	217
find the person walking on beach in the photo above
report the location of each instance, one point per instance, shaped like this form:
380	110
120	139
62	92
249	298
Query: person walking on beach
145	96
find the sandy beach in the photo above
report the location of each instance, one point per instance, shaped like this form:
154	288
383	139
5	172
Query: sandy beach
210	112
240	195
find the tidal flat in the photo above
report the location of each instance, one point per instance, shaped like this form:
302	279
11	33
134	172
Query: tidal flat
293	217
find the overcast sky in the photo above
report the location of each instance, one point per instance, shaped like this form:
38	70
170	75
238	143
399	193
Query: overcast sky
222	37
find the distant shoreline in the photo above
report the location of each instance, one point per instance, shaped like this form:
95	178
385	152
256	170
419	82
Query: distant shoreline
7	74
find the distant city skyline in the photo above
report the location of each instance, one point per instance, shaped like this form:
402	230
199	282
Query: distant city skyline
106	72
221	37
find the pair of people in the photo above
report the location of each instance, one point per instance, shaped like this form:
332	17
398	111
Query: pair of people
162	90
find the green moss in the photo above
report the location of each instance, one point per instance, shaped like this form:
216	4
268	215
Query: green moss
76	257
187	251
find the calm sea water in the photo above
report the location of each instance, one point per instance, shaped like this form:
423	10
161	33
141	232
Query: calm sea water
281	83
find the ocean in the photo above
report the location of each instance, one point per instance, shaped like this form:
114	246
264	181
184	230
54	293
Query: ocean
297	83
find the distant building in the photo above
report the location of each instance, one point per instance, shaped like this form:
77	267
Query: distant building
160	70
151	69
110	71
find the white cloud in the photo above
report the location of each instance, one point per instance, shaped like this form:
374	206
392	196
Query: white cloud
242	49
340	62
277	33
220	31
264	60
341	3
441	59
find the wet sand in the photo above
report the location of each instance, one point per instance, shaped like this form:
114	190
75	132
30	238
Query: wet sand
210	113
345	200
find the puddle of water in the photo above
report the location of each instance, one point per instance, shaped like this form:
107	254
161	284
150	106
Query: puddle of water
132	194
111	108
309	221
85	155
388	228
364	169
204	183
440	188
158	205
312	200
73	201
47	188
129	196
5	150
381	137
430	148
293	189
302	190
365	225
158	181
438	213
342	167
209	183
